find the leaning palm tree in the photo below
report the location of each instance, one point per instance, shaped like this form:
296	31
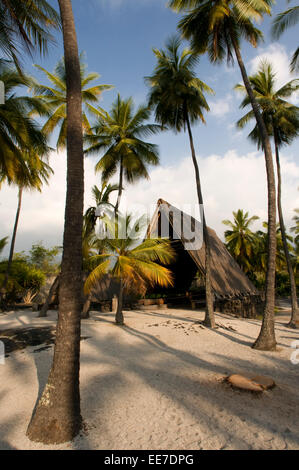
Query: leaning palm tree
134	265
177	96
283	21
119	135
282	120
55	97
240	240
26	25
57	416
217	27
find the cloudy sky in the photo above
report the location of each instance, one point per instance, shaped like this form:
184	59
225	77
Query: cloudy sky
117	37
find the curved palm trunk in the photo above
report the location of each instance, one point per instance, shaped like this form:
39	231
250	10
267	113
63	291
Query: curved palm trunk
294	322
51	296
119	317
86	307
209	316
57	417
266	339
12	245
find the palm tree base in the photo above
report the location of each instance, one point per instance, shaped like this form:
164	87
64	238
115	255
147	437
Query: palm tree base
294	325
50	425
208	323
264	344
119	319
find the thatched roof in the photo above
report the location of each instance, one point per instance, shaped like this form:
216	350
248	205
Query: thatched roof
228	280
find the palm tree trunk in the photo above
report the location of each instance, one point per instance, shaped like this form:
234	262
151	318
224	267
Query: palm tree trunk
120	189
209	316
86	307
294	322
51	296
12	245
57	417
119	318
266	339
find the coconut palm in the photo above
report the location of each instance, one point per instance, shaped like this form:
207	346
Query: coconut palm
134	265
26	25
282	120
36	173
240	240
102	204
217	27
90	243
55	97
260	252
283	21
57	416
18	132
119	135
177	96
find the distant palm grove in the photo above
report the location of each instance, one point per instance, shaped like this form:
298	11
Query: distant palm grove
64	107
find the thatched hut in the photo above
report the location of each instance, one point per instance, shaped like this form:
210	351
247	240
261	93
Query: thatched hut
233	291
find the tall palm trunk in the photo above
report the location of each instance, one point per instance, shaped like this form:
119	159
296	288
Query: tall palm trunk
57	417
119	317
294	322
209	316
120	189
266	339
12	244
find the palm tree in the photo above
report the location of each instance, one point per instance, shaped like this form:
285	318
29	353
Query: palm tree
282	22
134	265
26	24
282	121
119	135
217	27
240	240
102	203
57	417
55	97
38	172
18	132
261	250
91	245
177	97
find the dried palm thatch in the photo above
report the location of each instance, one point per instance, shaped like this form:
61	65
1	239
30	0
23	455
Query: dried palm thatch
228	280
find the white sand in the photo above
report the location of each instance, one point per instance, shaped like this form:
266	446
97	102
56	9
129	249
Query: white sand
157	384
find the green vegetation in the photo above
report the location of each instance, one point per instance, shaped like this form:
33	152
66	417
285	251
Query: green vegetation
69	105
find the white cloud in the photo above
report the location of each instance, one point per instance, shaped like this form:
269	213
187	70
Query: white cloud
221	107
230	182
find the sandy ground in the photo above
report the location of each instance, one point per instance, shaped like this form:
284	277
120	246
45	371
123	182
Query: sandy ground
157	384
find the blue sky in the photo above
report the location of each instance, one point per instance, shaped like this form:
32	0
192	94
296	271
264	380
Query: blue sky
117	37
